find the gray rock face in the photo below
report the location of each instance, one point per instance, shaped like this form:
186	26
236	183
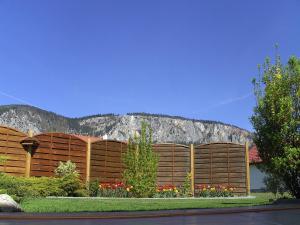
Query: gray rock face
121	127
169	129
7	204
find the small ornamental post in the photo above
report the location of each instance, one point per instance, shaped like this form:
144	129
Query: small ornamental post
30	144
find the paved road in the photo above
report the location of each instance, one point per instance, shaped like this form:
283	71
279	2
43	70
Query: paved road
285	217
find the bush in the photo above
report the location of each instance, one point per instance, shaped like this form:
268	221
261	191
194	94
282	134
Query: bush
69	178
141	164
65	169
3	191
67	183
81	193
94	188
70	184
275	185
21	187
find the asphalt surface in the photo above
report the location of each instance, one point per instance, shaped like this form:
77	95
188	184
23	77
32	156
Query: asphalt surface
282	217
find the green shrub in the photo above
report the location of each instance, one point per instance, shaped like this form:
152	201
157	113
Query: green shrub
42	187
21	187
65	169
70	181
141	164
67	183
81	193
94	188
275	185
35	187
70	184
3	191
186	188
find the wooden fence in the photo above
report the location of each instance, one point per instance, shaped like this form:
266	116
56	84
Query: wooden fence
11	149
211	164
106	160
56	147
222	164
174	163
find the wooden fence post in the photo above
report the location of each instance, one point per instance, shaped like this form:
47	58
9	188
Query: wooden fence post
28	157
192	170
247	169
88	160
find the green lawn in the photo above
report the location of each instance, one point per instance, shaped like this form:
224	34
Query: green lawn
105	205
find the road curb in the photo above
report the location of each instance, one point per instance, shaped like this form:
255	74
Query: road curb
143	214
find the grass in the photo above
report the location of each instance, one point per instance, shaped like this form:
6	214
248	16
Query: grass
45	205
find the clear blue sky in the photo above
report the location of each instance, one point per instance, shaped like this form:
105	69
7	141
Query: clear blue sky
189	58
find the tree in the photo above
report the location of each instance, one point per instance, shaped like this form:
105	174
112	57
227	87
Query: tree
276	120
141	163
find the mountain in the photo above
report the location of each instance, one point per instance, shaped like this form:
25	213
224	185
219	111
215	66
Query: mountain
165	128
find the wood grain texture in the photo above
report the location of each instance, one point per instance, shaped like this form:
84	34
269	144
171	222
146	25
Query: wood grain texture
11	148
56	147
106	160
174	163
221	164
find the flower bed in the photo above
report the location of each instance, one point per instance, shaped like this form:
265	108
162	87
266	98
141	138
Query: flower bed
121	190
213	191
166	191
117	190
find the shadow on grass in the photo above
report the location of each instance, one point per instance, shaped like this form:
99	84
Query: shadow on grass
243	203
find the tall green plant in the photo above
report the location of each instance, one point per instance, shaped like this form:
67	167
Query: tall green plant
276	121
186	189
141	163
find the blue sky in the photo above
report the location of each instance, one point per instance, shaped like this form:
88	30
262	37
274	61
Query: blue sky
189	58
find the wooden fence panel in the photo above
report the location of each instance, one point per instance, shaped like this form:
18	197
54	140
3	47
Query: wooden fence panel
56	147
174	163
106	160
11	148
221	164
107	166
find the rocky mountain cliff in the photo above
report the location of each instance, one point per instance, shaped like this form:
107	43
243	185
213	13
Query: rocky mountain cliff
120	127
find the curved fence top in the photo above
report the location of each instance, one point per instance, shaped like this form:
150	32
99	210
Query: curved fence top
219	143
170	144
86	138
109	140
12	131
60	135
